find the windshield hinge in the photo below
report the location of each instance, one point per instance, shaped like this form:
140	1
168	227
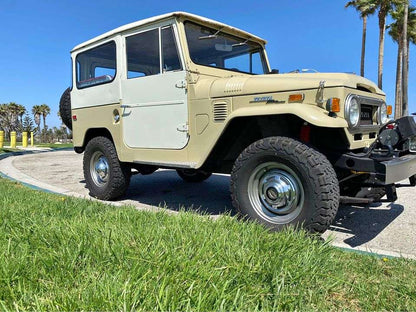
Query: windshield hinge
320	92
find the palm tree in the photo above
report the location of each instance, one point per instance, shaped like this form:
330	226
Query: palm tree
409	28
396	32
21	110
383	7
365	8
5	119
13	111
37	112
45	110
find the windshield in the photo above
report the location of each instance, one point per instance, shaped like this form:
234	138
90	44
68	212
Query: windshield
210	47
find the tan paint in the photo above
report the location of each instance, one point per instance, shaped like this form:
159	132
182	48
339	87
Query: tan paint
242	94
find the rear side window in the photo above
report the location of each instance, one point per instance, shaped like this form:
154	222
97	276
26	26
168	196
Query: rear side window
96	66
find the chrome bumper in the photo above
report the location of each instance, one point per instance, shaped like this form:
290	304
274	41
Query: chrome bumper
401	168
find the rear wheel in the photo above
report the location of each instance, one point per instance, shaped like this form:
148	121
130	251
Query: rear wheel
193	175
279	182
106	177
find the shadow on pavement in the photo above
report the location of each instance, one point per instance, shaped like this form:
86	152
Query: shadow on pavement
166	189
364	223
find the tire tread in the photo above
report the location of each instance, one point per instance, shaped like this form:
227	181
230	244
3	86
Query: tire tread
120	173
319	170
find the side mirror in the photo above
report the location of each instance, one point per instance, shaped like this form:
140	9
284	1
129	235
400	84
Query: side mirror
273	71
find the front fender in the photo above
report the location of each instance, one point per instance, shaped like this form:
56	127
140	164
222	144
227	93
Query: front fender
310	113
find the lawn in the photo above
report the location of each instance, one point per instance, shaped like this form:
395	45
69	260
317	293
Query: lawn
55	145
61	253
50	145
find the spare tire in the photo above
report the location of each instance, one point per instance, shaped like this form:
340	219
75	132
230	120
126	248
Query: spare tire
65	108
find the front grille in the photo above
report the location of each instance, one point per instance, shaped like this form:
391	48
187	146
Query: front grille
369	115
369	111
366	115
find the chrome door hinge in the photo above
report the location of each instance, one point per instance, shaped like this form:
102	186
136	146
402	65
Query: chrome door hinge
181	84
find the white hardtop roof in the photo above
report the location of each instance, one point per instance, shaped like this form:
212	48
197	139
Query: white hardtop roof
166	16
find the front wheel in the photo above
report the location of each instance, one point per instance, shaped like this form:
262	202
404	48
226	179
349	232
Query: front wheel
106	177
279	181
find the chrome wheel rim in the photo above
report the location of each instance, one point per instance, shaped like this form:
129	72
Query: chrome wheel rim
99	169
275	192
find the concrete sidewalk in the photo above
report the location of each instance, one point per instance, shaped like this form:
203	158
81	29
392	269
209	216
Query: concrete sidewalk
388	229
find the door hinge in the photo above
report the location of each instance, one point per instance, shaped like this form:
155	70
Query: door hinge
182	128
181	84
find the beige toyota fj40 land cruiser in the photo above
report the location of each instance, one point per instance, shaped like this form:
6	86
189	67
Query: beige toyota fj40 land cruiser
185	92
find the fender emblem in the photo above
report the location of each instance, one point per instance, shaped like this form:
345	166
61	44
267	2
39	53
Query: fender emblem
267	99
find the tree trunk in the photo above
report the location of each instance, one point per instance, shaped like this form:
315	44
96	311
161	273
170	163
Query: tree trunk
398	95
382	29
405	108
363	45
44	128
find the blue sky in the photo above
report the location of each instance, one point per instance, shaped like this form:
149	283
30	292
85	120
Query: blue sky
37	36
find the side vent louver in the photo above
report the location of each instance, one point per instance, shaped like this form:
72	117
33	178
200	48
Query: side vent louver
220	111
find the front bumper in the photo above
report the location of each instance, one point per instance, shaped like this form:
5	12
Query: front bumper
382	172
388	160
399	169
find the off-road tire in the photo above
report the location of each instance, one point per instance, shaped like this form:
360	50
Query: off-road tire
315	174
119	173
65	108
192	175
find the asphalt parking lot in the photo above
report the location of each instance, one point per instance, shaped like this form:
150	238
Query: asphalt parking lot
388	228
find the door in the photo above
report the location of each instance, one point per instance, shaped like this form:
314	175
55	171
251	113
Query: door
154	98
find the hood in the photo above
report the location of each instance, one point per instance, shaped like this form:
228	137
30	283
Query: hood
243	85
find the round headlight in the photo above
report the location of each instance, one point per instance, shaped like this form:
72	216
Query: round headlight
384	118
353	112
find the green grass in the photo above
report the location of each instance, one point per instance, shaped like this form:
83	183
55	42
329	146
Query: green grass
54	145
59	253
51	145
8	150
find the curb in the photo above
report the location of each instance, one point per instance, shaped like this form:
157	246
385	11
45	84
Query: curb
20	153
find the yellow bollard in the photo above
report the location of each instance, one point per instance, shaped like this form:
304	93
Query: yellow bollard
1	139
24	139
31	139
13	139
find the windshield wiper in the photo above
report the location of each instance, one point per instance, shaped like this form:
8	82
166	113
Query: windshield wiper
240	43
213	36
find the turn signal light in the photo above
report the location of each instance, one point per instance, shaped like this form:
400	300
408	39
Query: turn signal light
333	105
298	97
74	117
389	110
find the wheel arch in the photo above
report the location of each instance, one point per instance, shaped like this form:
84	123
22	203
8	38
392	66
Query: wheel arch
92	133
241	131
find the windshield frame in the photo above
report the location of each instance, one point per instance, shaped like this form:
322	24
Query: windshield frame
243	46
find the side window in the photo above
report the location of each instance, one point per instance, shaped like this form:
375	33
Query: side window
170	51
96	66
143	54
